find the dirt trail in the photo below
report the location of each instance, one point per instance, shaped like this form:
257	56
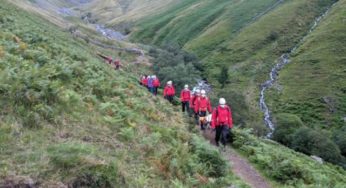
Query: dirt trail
240	166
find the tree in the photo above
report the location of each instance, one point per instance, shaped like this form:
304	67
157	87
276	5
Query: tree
223	76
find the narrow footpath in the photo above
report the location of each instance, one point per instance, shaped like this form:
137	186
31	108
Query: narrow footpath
240	166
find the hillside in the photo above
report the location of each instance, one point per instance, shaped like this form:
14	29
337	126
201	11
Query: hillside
108	12
248	38
68	119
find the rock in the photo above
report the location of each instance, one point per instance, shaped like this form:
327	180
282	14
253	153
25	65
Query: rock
316	158
330	103
54	184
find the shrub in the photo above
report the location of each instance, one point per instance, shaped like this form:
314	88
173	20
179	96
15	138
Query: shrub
223	76
311	142
69	155
339	138
127	133
171	63
216	165
102	175
286	125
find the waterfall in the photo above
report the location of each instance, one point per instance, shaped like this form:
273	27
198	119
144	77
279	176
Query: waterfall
274	73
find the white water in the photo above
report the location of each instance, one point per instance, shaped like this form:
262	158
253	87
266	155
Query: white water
274	73
109	33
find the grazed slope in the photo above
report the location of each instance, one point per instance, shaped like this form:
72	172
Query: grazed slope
105	11
66	118
202	26
317	71
230	36
248	37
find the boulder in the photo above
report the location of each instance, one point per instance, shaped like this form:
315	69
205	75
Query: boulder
316	158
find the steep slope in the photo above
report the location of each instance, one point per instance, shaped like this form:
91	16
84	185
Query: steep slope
259	33
67	118
202	26
118	11
313	85
316	74
285	167
106	11
248	38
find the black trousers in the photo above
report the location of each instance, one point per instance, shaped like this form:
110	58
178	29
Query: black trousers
202	114
185	106
170	98
222	132
155	90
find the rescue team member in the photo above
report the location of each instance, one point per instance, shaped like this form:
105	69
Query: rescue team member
169	91
202	106
185	96
222	122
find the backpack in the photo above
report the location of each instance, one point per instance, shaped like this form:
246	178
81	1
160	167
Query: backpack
217	112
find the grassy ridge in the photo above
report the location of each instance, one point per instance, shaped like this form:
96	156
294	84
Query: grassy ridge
67	118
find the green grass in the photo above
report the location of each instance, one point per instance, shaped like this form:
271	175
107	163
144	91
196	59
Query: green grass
68	118
285	167
249	48
318	70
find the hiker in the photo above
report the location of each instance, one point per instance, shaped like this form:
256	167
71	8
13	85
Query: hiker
141	80
202	105
116	64
151	84
195	95
185	96
222	122
156	84
169	92
145	81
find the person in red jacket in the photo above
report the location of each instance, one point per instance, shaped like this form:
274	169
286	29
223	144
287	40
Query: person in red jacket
169	92
141	80
185	96
193	100
145	81
202	105
156	83
222	122
116	64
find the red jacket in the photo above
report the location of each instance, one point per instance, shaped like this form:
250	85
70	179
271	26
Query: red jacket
157	82
222	116
202	104
169	91
143	81
192	99
109	60
185	95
